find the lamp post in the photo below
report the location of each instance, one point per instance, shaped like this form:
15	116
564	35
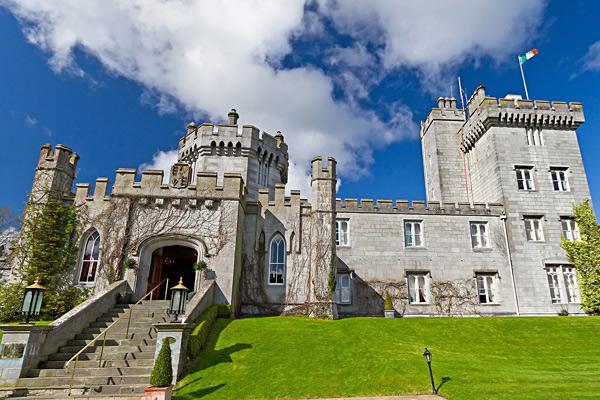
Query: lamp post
427	356
178	299
32	300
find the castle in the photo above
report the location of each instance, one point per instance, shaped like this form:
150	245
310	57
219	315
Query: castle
500	185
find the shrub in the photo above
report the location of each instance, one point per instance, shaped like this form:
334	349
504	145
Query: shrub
129	264
388	305
203	325
162	373
563	313
200	266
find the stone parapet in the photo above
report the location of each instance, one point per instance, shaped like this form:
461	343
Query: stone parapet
418	207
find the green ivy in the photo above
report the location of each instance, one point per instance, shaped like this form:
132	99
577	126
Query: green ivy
585	255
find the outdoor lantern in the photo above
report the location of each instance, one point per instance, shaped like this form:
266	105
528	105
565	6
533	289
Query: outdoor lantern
427	356
178	299
32	300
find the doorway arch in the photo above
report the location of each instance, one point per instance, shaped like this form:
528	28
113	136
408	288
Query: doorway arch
180	254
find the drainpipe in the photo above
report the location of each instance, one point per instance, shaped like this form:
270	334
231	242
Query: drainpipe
510	264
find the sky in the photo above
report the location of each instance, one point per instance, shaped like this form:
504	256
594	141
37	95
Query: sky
119	81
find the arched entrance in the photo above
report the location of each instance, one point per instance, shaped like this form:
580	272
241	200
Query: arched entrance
173	262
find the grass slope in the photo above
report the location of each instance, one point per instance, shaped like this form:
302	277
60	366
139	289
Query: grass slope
473	358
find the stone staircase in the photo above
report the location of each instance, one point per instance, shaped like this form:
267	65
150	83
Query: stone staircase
126	362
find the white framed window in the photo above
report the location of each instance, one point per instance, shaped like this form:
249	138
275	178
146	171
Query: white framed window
479	235
559	179
342	289
562	280
277	261
525	178
533	229
534	137
342	235
570	229
418	288
90	258
413	233
486	288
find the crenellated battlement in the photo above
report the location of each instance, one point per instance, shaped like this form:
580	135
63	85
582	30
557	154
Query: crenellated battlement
322	171
512	111
446	110
61	159
151	187
418	207
280	199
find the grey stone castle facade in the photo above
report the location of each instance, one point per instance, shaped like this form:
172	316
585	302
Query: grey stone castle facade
486	242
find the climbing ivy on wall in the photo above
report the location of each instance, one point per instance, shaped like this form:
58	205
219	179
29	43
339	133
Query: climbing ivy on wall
46	250
585	255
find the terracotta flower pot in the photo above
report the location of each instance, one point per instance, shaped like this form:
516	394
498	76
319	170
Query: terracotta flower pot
159	393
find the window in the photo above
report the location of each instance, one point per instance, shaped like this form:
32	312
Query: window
277	261
525	178
89	261
413	233
533	228
570	229
418	289
562	280
534	137
341	233
559	179
343	289
479	235
486	288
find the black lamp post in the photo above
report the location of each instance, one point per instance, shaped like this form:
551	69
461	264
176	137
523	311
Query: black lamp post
32	300
178	299
427	356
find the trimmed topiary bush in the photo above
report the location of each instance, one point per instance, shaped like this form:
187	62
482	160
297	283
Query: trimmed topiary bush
388	305
203	325
162	374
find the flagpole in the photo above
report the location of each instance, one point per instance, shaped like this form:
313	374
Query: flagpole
523	75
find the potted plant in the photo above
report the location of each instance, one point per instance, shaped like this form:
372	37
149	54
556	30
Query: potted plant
388	306
123	297
200	265
161	378
130	263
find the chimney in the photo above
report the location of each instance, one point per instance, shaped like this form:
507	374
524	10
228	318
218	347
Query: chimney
233	117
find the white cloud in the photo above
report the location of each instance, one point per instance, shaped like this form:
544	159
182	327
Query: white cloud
591	61
161	160
209	57
30	121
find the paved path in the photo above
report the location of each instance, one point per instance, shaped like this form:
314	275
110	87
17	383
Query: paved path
409	397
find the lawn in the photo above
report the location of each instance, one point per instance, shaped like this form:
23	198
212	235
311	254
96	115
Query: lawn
473	358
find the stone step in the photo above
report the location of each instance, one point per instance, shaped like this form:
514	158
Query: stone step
122	324
106	356
81	371
132	391
84	381
116	363
138	341
97	348
132	329
117	335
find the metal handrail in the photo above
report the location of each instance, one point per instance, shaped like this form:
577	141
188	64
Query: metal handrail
104	332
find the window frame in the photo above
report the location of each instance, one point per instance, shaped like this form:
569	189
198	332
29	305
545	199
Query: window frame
338	224
485	285
520	171
560	181
423	290
92	262
531	220
477	235
563	284
420	235
281	240
572	233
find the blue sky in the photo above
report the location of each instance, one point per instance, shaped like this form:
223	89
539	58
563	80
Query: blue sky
119	81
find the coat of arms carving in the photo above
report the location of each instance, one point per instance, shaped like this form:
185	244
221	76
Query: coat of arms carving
181	175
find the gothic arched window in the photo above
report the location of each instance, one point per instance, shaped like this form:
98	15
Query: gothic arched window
89	261
277	261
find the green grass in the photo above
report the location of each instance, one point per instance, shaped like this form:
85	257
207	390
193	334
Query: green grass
17	323
473	358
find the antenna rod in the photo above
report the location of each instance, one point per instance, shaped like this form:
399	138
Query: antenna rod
523	75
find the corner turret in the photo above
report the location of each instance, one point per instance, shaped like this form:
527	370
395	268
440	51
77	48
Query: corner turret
54	173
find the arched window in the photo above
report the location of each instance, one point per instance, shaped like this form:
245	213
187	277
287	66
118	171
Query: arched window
238	149
89	262
213	148
277	261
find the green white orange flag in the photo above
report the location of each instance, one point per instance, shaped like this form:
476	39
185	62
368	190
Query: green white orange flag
527	56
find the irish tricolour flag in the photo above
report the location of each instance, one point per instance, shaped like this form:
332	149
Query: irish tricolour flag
527	56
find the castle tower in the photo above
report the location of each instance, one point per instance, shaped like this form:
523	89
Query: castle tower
442	153
54	173
260	158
